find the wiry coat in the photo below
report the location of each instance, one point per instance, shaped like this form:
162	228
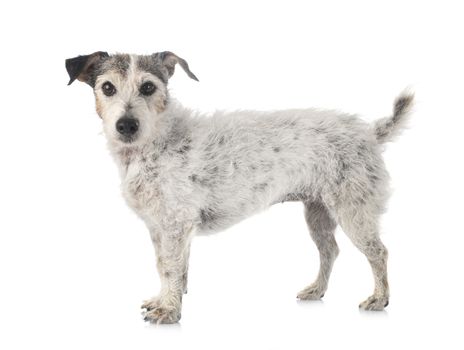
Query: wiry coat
195	173
215	171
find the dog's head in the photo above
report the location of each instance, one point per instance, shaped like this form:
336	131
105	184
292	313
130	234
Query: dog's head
130	90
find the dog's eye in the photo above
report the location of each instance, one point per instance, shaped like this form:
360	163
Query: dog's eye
108	89
147	88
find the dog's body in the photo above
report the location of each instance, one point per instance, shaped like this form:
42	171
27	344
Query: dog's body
184	173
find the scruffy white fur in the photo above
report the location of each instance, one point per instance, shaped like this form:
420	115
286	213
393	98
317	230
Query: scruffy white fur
188	173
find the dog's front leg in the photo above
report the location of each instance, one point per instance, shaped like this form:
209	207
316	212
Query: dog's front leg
171	249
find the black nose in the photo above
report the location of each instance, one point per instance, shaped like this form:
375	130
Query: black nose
127	126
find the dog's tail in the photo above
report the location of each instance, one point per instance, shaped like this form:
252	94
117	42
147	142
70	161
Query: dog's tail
386	129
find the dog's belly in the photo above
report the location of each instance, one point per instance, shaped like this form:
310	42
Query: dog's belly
220	216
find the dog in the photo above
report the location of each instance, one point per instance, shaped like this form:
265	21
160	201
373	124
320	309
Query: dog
184	173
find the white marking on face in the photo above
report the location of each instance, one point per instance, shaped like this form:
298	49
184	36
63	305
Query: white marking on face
128	101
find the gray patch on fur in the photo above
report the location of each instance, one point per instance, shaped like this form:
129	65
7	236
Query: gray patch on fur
202	181
184	146
119	63
210	218
207	215
260	187
152	64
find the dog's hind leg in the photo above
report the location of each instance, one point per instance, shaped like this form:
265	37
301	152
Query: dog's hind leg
322	228
362	228
186	268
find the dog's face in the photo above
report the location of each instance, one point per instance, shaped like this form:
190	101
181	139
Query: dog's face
130	91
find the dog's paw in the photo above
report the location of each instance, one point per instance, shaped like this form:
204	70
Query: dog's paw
313	292
151	304
162	315
374	303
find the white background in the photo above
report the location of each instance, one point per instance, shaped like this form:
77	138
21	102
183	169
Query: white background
75	263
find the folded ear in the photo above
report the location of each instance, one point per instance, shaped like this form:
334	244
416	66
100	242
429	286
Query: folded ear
83	67
169	60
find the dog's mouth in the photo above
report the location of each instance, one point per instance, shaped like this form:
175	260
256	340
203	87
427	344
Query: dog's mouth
127	139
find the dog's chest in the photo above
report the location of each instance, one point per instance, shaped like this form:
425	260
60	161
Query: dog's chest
140	188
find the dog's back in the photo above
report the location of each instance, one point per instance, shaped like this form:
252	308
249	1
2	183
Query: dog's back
250	160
